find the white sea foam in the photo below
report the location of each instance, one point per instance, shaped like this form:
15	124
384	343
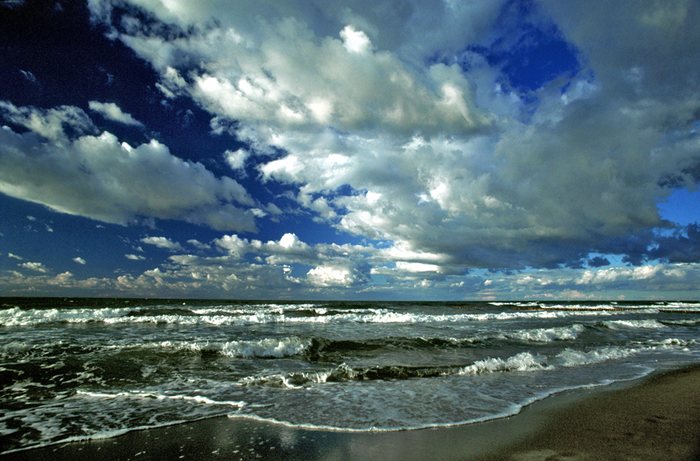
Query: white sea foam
199	399
260	348
683	322
587	307
633	324
575	358
514	303
248	315
674	342
24	317
546	335
266	348
681	304
14	347
523	361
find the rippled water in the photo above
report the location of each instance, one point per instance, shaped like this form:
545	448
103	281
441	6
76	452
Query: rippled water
96	368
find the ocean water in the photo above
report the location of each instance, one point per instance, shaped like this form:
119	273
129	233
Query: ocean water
90	368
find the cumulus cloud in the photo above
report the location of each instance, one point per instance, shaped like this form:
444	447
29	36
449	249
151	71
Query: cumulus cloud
162	242
292	268
79	260
34	266
57	164
54	124
113	112
331	275
647	281
404	133
134	257
236	159
199	245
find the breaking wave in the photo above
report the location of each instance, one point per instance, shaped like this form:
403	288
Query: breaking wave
268	314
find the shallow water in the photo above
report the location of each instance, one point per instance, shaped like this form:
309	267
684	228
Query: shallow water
95	368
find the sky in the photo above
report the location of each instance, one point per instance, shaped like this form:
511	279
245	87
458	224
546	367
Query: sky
323	149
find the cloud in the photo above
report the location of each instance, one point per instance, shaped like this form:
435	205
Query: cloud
34	266
291	268
14	256
134	257
417	267
98	177
333	275
236	159
162	242
408	134
355	41
55	124
28	75
113	112
79	260
199	245
681	246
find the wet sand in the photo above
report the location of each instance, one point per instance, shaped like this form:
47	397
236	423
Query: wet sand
657	418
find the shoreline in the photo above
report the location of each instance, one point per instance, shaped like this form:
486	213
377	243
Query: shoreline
654	417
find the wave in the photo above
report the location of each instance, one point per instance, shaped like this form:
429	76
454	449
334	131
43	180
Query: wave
647	324
575	358
612	305
344	373
268	314
325	350
546	335
315	349
260	348
681	323
197	399
521	362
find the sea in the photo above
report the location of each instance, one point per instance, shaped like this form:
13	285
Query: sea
76	369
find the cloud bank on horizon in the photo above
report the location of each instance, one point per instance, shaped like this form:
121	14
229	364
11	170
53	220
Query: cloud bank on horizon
435	149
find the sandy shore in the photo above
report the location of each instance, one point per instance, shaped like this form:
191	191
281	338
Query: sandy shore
658	418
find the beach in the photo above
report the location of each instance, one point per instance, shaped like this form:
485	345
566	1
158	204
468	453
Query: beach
655	418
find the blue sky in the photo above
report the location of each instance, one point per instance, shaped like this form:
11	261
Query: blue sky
350	150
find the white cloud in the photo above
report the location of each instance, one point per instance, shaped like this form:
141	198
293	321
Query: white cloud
49	123
34	266
162	242
234	245
438	159
279	74
331	276
134	257
113	112
236	159
355	41
291	241
291	268
103	179
199	245
416	267
79	260
28	75
14	256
